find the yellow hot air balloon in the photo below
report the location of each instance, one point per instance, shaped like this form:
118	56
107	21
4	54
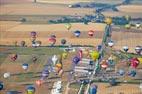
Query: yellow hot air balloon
94	55
128	26
140	59
108	20
64	55
68	26
127	17
59	65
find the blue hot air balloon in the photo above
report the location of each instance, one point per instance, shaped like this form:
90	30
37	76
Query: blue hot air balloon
76	60
45	73
31	89
77	33
25	66
1	86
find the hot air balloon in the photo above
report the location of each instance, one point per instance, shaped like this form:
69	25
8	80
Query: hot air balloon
52	41
63	41
68	26
128	26
125	48
99	47
64	55
14	57
94	55
138	25
58	65
31	90
132	73
104	64
93	89
140	60
25	66
112	82
121	72
108	20
110	44
138	49
80	54
76	60
33	34
6	75
77	33
60	72
134	62
54	59
91	33
38	82
34	59
1	86
45	73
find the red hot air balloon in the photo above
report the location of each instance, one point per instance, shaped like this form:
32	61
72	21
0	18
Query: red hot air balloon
134	62
52	41
91	33
14	57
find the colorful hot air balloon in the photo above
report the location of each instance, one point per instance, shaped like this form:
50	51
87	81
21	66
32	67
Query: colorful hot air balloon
77	33
31	90
91	33
140	60
14	57
68	26
93	89
63	41
94	55
125	48
25	66
112	82
52	41
76	60
134	62
132	73
138	49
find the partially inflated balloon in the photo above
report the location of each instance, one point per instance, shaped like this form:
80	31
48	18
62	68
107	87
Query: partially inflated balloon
25	66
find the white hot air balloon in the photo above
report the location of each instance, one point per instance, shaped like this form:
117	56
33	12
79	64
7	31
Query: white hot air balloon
54	59
110	44
138	49
138	25
125	48
6	75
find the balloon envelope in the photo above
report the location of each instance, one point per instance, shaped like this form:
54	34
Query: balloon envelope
33	33
91	33
6	75
76	60
125	48
68	26
138	49
25	66
94	55
63	41
77	33
134	62
110	44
